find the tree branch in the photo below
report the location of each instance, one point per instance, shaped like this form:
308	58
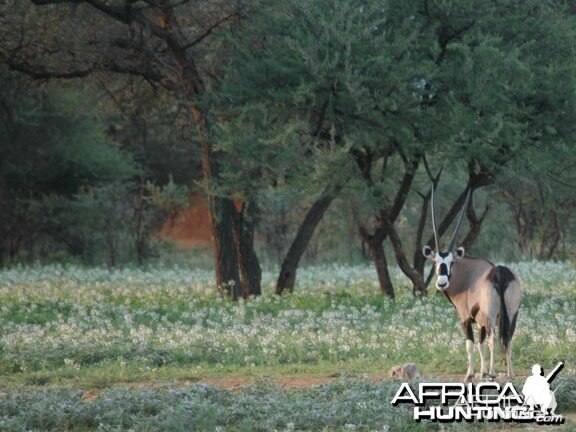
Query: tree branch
210	29
119	14
40	72
405	186
126	15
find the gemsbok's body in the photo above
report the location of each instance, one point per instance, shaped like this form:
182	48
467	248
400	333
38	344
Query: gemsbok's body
481	292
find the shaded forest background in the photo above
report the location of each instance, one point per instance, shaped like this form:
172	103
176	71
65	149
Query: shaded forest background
313	131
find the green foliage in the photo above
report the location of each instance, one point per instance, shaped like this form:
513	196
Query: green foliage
169	198
114	223
301	95
54	145
325	92
55	142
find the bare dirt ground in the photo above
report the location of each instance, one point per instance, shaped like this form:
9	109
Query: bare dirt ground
295	382
306	382
286	382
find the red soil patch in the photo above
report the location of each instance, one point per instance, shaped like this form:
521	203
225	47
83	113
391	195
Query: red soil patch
190	227
286	382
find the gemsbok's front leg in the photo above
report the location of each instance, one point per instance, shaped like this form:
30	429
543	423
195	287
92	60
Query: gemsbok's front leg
467	327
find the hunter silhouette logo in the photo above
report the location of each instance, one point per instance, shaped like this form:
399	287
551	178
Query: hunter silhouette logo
454	402
537	391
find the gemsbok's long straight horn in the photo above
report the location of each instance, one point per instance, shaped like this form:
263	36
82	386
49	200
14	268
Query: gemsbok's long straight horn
436	236
453	239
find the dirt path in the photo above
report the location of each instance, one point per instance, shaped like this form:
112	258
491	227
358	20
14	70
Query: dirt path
286	382
307	382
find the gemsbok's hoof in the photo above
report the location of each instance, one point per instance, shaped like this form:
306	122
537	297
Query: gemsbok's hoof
468	378
487	375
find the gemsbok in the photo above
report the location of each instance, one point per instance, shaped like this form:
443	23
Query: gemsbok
481	292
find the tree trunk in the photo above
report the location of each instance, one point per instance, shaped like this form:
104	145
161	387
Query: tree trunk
138	237
15	242
379	259
418	287
419	260
110	244
250	271
374	241
287	276
475	224
221	209
375	246
222	212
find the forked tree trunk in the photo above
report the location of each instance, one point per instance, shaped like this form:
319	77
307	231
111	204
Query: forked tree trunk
375	241
287	276
418	287
250	271
375	247
381	264
475	224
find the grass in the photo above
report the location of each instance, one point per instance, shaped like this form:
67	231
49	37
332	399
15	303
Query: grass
138	337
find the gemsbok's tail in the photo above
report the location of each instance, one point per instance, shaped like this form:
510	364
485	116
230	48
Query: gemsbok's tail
502	277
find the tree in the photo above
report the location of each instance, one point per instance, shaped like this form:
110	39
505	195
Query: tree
391	84
539	196
159	41
53	143
279	121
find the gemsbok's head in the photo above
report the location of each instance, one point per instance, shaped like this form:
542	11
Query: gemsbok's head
444	258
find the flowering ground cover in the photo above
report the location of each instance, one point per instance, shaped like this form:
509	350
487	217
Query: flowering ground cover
142	340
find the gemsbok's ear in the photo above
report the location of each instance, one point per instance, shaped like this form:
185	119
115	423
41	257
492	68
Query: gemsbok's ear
428	252
460	252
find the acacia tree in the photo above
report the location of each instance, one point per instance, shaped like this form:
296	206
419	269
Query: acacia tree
539	195
160	41
398	82
278	98
346	79
490	78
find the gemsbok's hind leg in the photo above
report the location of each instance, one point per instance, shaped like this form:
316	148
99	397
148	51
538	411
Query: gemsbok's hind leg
508	350
492	346
512	298
482	331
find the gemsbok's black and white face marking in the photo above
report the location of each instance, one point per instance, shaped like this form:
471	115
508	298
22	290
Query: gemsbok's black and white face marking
443	262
